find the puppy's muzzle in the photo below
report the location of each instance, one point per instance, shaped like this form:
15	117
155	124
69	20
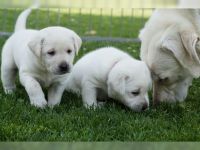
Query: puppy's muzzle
64	68
144	107
140	107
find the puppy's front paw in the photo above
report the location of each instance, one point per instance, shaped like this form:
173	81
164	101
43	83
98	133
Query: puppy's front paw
39	103
9	90
91	106
51	103
101	104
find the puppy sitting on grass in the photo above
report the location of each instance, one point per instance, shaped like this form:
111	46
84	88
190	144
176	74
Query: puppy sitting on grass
42	57
109	71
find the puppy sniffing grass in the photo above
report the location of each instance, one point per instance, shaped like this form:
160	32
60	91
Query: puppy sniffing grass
109	71
43	58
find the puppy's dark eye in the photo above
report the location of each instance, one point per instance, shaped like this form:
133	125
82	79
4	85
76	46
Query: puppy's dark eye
69	51
135	93
51	53
163	80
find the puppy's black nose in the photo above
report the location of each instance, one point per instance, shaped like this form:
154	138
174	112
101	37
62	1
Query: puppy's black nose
64	67
144	107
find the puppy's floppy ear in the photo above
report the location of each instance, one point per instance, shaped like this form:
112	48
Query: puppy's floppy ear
191	41
116	84
77	42
184	46
36	45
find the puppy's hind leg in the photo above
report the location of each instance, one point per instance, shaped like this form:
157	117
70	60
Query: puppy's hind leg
89	95
8	70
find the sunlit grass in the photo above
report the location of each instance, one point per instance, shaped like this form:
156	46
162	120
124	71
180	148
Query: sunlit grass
84	24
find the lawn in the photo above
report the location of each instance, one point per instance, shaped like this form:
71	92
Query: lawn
92	24
72	122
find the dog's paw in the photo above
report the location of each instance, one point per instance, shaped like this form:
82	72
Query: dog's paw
9	90
92	106
101	104
52	104
39	103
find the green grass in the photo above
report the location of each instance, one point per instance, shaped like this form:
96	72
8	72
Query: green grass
84	24
72	122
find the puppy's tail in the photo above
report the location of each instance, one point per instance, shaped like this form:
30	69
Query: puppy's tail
21	20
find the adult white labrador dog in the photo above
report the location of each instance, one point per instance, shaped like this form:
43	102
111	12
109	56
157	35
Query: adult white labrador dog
109	71
171	49
42	57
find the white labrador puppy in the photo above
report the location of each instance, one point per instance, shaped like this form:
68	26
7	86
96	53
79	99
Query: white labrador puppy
171	49
109	71
42	57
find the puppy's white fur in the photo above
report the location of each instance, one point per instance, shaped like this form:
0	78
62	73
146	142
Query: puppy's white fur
42	57
189	4
109	71
171	49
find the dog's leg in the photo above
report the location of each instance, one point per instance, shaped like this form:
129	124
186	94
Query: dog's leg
89	96
34	90
102	97
55	94
8	70
156	98
8	76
